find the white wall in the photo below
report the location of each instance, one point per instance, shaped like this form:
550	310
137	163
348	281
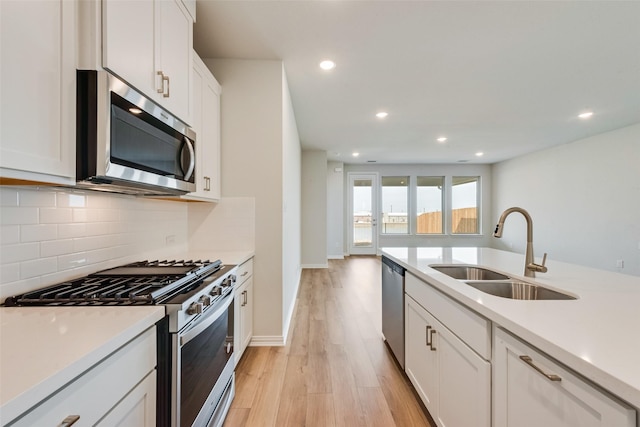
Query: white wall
229	225
314	209
445	240
584	199
335	210
48	236
291	207
258	147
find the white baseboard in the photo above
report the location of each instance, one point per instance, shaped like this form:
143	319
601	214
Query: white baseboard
292	309
267	341
315	265
335	257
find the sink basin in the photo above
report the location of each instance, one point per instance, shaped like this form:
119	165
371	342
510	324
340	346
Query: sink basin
469	272
515	289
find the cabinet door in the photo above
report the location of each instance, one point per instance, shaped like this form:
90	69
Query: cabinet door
206	123
38	85
421	363
246	328
137	409
173	47
128	42
523	396
238	309
211	129
464	382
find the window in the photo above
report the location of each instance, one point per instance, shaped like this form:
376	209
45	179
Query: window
429	205
395	202
464	205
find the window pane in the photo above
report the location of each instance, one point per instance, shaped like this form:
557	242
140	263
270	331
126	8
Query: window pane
464	205
362	225
395	202
429	205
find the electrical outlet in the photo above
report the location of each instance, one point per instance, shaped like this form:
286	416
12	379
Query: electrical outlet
620	263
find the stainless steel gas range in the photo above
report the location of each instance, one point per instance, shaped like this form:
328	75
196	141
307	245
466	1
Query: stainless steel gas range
196	382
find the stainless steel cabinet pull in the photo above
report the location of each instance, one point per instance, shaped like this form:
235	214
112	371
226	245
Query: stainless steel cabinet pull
529	361
427	329
431	332
244	298
166	95
207	183
244	274
70	420
161	86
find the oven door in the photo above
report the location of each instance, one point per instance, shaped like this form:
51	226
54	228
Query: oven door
203	367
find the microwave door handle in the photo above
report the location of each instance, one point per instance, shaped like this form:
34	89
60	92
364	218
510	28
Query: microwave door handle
192	158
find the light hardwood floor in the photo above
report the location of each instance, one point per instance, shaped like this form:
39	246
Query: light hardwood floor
335	369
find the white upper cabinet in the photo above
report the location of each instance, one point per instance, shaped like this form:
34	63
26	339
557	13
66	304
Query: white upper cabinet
38	86
149	44
206	123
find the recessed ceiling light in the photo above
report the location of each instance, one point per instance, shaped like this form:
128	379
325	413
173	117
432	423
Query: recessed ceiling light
382	114
327	65
355	154
586	115
442	139
479	154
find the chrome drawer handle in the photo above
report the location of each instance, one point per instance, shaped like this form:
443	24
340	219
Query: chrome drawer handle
244	274
529	361
429	332
70	420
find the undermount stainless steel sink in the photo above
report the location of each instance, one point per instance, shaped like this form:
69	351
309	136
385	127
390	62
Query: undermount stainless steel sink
515	289
469	272
498	284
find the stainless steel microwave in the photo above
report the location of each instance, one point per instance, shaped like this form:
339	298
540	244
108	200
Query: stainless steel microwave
126	143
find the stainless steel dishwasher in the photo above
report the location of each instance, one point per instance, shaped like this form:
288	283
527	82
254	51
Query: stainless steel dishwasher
393	307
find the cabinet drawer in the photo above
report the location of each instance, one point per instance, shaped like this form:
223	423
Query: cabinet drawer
245	270
99	389
531	389
470	327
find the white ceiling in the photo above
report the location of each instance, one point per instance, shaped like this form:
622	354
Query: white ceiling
504	78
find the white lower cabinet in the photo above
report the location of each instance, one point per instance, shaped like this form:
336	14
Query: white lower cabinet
532	390
119	391
243	309
452	380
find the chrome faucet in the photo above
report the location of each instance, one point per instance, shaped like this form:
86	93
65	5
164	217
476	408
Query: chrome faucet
530	267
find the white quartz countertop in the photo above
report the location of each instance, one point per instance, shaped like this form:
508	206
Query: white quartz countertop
597	335
43	348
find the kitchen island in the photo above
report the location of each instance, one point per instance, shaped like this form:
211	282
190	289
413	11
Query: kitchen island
594	335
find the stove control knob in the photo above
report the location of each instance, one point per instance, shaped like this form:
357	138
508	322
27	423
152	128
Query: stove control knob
217	291
205	300
228	281
195	308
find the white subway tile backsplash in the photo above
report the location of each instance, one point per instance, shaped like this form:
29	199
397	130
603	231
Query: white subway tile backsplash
66	231
45	198
69	200
49	236
38	267
9	272
19	252
55	215
8	196
56	247
38	233
9	234
11	215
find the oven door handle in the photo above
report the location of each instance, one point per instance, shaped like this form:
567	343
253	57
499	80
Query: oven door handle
203	324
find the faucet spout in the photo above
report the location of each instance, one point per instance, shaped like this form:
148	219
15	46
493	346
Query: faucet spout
530	267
